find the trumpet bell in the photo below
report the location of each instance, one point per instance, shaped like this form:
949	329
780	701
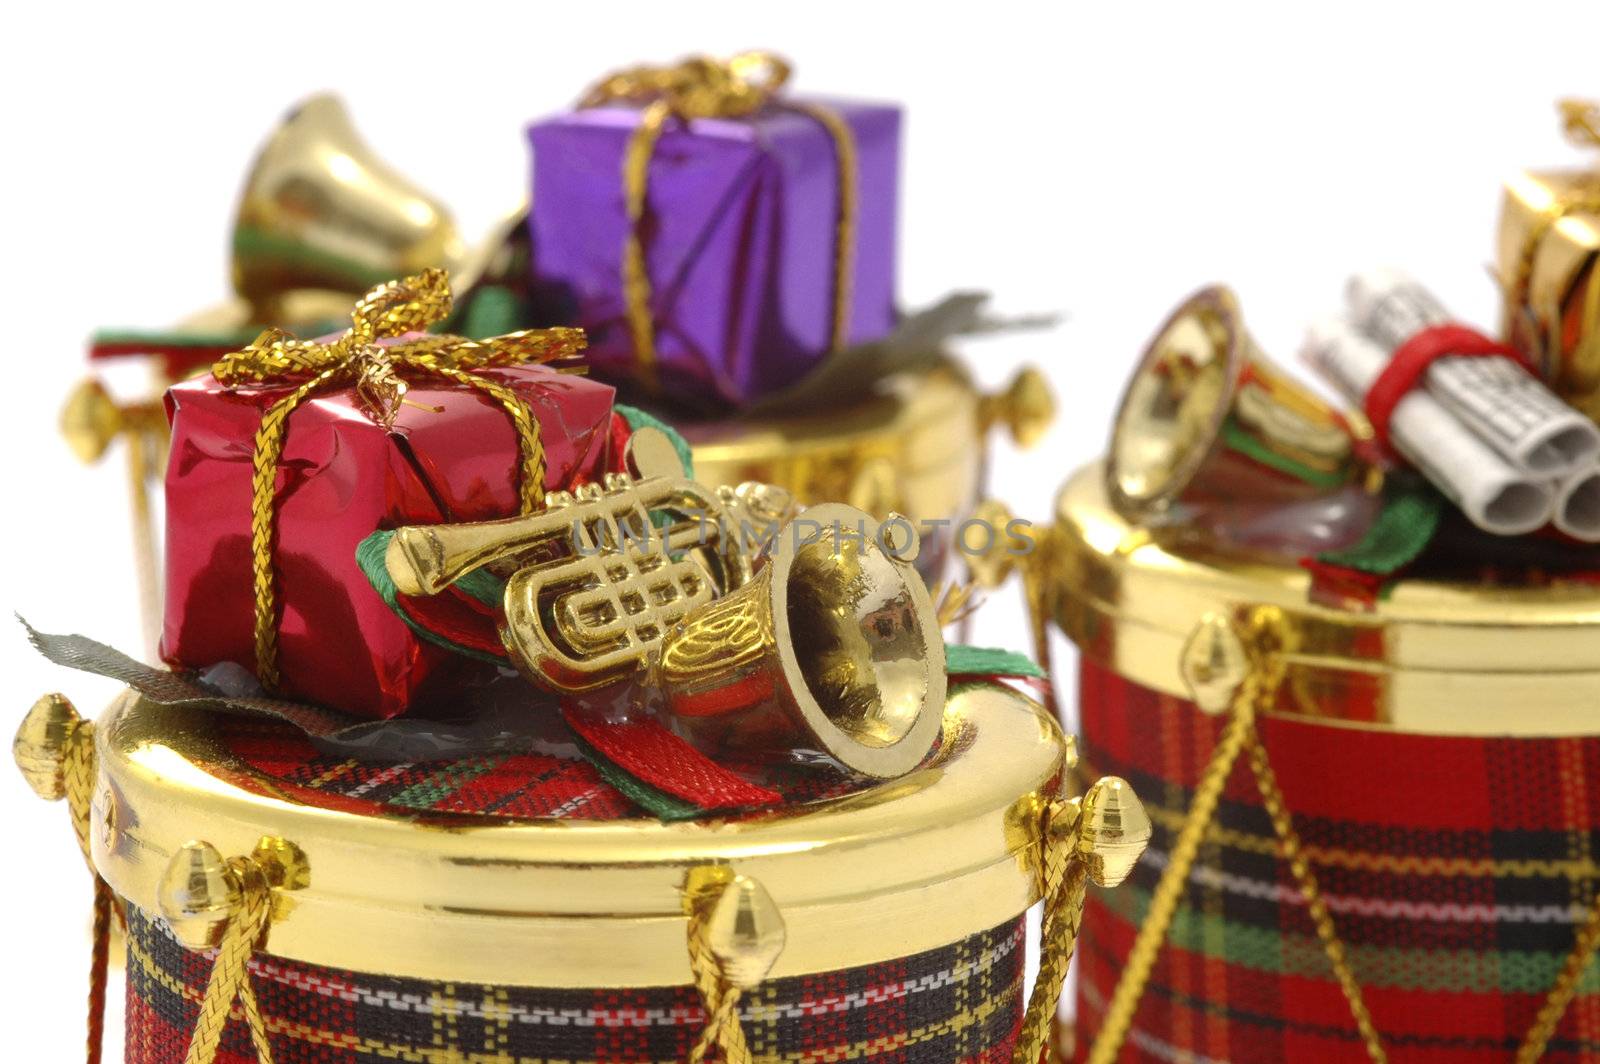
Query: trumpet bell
833	647
321	211
1206	411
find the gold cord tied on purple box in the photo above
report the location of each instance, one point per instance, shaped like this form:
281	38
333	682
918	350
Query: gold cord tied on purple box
701	87
379	373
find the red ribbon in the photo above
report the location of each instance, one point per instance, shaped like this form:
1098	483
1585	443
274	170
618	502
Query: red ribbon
653	755
1412	359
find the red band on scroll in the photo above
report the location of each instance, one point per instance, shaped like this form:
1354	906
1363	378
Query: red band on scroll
1412	359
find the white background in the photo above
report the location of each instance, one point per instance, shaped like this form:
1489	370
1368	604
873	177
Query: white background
1101	160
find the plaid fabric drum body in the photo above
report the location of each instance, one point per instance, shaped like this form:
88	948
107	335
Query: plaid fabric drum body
1456	870
962	1002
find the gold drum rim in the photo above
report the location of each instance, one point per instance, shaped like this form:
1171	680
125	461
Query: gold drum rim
906	866
916	447
1431	658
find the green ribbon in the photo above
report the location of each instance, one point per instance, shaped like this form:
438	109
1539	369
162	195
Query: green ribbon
1412	510
479	584
638	419
1237	439
961	660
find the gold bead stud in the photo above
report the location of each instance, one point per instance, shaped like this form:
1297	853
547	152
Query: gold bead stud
283	863
992	567
40	748
1113	830
90	420
1026	407
746	932
198	895
1214	663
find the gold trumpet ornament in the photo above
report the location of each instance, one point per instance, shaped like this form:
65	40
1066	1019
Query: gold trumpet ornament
1208	429
764	632
1206	411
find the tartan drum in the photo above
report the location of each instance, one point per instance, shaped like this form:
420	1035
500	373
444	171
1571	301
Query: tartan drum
1457	871
959	1003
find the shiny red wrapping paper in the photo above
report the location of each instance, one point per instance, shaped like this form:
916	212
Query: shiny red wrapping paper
451	455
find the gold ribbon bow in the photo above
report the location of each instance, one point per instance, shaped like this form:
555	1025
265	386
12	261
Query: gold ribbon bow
1580	120
378	373
702	87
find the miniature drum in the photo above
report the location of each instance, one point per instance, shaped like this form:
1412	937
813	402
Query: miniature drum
1396	858
917	446
519	908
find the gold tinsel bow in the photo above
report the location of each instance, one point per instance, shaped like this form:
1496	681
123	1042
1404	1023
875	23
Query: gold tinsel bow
378	373
702	87
1580	120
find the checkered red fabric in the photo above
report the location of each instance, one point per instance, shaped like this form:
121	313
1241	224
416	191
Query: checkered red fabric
961	1002
1456	871
273	758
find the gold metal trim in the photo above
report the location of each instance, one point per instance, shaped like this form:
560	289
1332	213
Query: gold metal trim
945	851
1444	659
917	448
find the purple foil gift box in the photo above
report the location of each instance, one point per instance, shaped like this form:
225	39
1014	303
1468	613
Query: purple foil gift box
739	234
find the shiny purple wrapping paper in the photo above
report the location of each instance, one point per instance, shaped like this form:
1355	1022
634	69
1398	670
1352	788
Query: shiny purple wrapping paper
739	240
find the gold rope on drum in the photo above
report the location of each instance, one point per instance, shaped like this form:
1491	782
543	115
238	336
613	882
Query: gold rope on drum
1096	838
227	903
1561	995
54	750
1241	675
735	935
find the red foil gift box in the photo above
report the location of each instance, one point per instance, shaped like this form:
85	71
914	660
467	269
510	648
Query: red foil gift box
450	454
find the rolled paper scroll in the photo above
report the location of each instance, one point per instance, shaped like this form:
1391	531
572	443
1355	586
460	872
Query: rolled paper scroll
1578	505
1499	400
1495	495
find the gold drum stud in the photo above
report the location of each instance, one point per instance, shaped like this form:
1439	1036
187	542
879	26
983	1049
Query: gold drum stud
40	746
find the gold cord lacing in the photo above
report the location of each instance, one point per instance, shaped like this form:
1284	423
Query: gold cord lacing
1561	995
78	774
1306	880
1065	882
378	373
735	934
55	751
1255	693
702	87
718	994
209	900
230	974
